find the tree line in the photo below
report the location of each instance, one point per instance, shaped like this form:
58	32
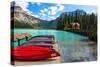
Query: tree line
87	21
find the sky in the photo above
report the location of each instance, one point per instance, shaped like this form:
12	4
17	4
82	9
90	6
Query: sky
50	11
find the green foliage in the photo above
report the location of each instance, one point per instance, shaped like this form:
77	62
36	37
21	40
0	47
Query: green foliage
23	25
63	22
93	27
88	22
20	24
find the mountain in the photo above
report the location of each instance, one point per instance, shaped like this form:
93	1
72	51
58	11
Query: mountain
21	19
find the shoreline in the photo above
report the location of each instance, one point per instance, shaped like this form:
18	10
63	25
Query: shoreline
91	38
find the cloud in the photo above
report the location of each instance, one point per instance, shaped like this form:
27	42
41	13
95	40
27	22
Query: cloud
24	6
37	3
54	9
51	12
92	11
48	13
45	10
36	16
42	14
52	17
60	7
42	11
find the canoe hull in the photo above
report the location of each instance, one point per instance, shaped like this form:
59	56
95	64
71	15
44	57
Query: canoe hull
32	53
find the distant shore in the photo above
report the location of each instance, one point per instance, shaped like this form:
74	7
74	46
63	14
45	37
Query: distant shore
83	33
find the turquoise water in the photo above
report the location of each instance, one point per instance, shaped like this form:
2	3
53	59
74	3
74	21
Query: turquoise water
72	47
21	41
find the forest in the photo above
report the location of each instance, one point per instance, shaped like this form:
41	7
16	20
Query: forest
87	21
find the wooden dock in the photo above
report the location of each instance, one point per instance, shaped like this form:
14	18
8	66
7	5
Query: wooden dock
19	37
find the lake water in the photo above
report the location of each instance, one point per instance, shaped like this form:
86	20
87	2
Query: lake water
72	47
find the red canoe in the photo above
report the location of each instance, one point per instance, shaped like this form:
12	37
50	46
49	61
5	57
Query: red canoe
32	53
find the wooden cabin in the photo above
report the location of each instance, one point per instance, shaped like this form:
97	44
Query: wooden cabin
75	26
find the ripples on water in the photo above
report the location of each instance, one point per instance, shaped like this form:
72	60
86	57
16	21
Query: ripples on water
72	47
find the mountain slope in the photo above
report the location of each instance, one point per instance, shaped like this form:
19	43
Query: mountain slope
22	19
